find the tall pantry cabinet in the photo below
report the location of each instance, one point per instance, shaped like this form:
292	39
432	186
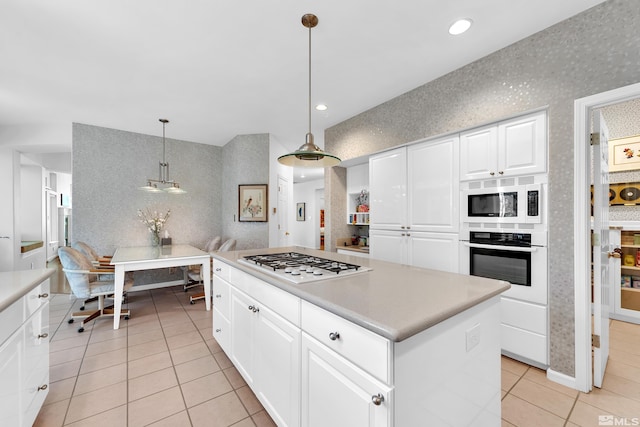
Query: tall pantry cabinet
414	207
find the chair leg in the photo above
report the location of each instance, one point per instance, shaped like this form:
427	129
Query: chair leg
102	311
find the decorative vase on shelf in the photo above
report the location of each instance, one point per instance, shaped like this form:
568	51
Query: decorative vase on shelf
155	239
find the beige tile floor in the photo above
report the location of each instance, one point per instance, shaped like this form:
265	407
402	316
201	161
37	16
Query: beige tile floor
163	368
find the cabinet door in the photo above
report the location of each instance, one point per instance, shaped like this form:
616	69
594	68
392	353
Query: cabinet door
478	153
11	356
438	251
433	185
522	145
36	363
278	367
242	335
388	246
337	393
388	189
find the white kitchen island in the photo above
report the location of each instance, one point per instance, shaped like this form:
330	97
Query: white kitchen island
393	346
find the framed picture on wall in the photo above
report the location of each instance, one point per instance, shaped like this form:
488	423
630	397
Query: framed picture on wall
253	203
624	154
300	212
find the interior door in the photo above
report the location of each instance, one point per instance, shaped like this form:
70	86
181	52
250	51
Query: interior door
283	212
602	255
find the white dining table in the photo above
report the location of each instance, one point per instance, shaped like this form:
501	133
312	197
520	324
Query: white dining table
150	257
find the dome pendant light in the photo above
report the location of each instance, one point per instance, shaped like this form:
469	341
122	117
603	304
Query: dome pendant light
309	154
163	174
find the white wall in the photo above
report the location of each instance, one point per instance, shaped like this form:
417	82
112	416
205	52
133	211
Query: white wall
307	233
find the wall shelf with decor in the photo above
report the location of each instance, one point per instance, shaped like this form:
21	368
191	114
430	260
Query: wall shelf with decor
357	211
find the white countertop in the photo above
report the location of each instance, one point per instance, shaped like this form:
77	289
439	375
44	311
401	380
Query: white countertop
392	300
15	284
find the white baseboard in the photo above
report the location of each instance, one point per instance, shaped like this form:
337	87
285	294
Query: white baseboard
560	378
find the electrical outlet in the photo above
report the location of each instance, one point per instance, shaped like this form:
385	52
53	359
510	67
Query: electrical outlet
473	337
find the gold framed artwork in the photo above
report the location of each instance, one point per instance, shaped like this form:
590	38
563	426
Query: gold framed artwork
624	154
252	203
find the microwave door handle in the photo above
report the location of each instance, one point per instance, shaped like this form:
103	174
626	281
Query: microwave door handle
498	247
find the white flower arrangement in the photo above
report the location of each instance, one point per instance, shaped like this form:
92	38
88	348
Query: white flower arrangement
154	222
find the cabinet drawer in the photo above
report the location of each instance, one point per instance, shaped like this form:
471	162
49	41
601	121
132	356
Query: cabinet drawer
221	269
367	350
11	319
221	329
524	315
279	301
36	298
221	295
524	343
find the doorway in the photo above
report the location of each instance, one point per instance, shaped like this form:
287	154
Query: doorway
583	109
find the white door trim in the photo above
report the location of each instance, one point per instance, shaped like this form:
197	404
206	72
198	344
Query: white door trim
582	225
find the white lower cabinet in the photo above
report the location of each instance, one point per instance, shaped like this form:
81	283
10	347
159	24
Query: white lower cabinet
265	348
24	358
335	392
438	251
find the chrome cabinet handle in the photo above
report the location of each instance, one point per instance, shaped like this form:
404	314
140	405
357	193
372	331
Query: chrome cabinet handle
43	296
42	387
254	309
492	173
377	399
218	330
218	296
218	269
501	172
43	335
334	336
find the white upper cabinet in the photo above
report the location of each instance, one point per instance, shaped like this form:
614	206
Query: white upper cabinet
388	190
509	148
416	187
433	185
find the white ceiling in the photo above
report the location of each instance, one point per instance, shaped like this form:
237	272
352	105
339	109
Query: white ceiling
219	68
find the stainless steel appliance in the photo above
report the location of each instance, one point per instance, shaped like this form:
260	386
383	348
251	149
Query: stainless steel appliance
301	268
504	201
517	257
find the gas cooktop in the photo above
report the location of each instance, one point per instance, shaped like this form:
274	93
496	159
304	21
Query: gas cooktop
301	268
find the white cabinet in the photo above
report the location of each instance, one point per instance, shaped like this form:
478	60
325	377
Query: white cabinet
24	358
509	148
388	190
416	187
263	345
335	392
438	251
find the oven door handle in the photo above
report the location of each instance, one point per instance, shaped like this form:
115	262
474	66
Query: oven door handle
503	248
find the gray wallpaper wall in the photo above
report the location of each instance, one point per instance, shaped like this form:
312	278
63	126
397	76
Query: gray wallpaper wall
246	161
590	53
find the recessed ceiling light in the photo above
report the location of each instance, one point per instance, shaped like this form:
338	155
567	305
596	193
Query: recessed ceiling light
321	107
460	26
302	176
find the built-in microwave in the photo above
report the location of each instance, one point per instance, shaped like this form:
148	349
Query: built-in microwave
520	204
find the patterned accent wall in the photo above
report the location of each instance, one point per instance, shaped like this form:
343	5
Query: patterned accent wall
590	53
108	167
246	161
623	120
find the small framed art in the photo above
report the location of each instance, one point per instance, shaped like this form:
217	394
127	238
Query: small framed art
253	203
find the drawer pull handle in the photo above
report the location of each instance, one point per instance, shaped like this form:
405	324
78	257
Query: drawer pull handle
218	269
43	296
377	399
254	309
334	336
218	296
218	330
42	387
43	335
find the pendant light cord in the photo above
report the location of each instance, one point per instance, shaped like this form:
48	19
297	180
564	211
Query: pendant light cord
309	78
